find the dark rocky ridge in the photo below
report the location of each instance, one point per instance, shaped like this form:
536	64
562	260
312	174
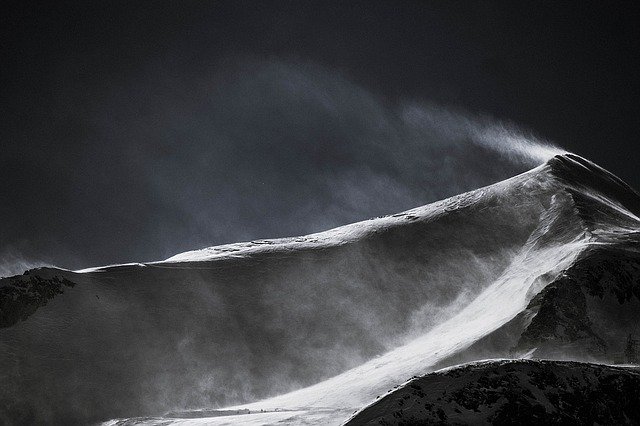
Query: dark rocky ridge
22	295
522	392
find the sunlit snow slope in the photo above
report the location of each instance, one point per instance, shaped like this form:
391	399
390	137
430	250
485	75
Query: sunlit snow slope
341	316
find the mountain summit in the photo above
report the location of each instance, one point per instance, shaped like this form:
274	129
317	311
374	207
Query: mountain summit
311	328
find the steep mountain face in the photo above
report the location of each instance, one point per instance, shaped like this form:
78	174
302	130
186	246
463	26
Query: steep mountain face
590	311
544	262
512	392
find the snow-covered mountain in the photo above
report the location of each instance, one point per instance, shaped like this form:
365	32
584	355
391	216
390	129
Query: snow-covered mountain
311	329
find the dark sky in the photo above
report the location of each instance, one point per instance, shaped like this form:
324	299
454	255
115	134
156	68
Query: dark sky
136	130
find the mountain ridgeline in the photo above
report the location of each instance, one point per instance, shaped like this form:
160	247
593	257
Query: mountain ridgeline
545	264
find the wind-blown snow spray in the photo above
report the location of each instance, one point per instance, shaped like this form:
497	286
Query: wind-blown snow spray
13	263
504	138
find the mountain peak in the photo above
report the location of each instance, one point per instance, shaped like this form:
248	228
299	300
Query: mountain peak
584	175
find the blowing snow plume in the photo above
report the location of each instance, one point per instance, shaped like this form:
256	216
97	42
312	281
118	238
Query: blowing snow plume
247	149
328	320
309	145
505	139
13	263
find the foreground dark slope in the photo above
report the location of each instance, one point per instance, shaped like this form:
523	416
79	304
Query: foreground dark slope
138	339
523	392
